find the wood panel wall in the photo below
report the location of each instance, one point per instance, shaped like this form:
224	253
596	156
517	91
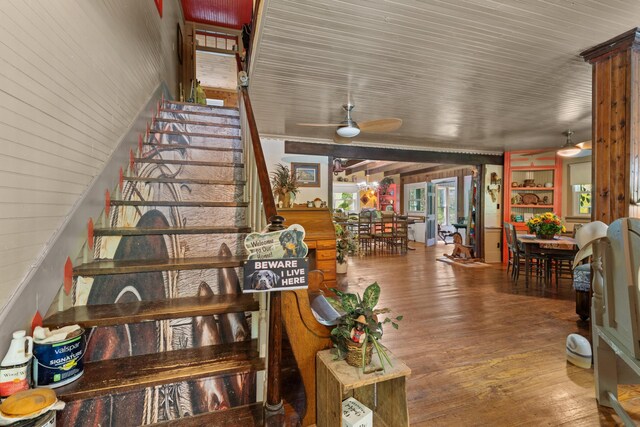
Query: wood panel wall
74	75
616	126
228	96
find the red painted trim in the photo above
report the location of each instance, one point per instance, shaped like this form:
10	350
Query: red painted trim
140	143
36	321
90	233
132	159
121	178
107	202
159	6
68	276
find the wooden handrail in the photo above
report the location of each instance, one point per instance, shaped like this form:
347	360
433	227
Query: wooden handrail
263	174
274	398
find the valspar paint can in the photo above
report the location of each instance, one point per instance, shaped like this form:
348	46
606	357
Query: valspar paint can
58	363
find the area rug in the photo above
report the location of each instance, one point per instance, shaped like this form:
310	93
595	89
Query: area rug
474	264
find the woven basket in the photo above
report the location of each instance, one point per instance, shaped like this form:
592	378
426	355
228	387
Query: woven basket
354	354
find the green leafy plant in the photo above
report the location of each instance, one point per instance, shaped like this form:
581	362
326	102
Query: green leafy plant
347	200
385	183
357	308
344	243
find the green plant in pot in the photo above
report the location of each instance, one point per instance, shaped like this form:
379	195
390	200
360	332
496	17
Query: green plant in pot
284	184
359	329
344	246
385	183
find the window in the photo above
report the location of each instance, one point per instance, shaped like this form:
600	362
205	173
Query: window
345	201
581	199
446	199
580	188
416	199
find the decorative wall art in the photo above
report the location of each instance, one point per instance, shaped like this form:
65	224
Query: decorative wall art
307	174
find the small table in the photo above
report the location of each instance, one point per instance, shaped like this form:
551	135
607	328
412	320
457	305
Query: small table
384	392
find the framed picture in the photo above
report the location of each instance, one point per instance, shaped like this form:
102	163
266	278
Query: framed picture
307	174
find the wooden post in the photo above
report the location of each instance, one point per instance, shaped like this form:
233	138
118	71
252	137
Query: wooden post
274	399
616	127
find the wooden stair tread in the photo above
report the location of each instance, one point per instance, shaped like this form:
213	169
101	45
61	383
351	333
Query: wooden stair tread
203	107
202	204
241	416
191	122
136	231
105	267
185	180
200	113
143	311
194	147
205	135
188	162
135	372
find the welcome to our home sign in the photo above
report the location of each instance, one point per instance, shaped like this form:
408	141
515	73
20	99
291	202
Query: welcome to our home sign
277	261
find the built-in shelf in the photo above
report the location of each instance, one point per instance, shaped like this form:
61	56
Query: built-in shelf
533	206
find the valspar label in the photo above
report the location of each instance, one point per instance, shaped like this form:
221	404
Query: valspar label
14	379
57	364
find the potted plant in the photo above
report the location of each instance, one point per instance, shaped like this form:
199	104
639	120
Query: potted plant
285	185
359	329
385	183
344	245
545	225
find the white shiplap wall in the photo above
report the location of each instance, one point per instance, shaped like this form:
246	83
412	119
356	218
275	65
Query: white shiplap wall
73	75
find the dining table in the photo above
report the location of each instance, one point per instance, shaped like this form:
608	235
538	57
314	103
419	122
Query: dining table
560	247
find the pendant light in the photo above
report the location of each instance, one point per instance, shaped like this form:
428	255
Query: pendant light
569	149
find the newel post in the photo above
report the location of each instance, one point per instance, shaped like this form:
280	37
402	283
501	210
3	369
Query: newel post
274	403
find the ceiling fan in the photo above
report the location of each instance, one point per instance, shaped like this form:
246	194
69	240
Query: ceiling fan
349	129
570	149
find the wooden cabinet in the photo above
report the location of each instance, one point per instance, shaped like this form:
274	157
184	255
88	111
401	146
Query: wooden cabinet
532	185
492	244
389	199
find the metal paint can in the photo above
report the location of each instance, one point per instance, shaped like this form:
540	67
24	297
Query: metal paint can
47	419
58	363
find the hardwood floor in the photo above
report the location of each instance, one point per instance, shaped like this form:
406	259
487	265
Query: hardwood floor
483	352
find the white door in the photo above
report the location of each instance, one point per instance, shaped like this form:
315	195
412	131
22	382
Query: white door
430	222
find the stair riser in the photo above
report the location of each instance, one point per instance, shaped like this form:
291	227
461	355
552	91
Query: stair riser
201	109
189	171
127	216
191	192
192	128
155	152
229	120
187	398
187	282
194	245
163	138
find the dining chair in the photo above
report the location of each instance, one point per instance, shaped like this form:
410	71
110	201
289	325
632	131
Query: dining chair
383	232
364	234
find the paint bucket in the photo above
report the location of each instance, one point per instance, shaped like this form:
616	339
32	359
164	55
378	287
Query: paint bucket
47	419
58	363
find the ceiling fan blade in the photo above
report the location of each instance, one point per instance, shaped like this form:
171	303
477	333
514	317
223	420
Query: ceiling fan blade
332	125
341	139
380	125
586	145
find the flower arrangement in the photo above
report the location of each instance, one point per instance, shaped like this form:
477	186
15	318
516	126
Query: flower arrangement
285	185
344	243
546	225
359	329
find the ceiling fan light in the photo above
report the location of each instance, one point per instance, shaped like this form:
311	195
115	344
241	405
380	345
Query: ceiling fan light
569	151
348	131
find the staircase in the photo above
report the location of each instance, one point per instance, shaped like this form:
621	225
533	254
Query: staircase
171	338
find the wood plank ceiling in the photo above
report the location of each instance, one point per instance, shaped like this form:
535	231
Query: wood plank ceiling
463	74
222	13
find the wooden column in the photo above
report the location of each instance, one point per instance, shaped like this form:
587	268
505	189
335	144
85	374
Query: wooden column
616	126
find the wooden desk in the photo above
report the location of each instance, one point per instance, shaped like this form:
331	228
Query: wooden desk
384	392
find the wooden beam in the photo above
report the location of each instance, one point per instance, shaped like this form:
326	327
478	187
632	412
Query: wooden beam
384	168
390	154
363	165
